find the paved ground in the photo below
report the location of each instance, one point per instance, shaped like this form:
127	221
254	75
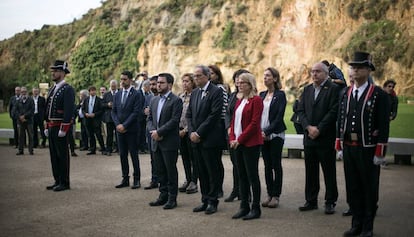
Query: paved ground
93	207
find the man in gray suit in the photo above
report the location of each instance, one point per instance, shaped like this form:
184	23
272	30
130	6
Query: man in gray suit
163	124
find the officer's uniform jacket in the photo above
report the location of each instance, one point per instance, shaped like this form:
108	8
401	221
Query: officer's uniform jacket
60	106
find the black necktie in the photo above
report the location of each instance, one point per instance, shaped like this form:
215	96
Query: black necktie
356	95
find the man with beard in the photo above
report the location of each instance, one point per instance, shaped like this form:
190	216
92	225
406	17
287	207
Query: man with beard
60	105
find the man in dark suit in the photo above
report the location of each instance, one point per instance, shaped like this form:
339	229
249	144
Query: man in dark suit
38	119
83	94
60	105
12	106
317	111
93	111
163	125
207	134
24	111
107	118
362	135
127	110
154	92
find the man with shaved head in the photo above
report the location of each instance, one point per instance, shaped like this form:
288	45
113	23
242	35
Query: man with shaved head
318	113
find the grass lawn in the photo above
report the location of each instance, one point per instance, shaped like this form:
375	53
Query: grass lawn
400	127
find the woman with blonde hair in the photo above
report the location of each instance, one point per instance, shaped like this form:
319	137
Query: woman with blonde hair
246	139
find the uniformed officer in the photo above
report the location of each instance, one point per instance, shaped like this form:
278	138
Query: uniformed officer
60	105
362	136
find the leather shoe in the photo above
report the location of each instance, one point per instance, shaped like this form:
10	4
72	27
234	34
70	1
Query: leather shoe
158	202
253	214
241	213
354	231
308	206
210	209
91	153
200	208
170	205
136	185
329	209
19	153
123	184
61	188
347	212
83	149
50	187
183	187
192	188
231	197
151	186
74	154
366	234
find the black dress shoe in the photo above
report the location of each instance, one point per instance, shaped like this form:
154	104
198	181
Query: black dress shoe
308	206
83	149
231	197
152	185
123	184
354	231
200	208
253	214
241	213
158	202
50	187
211	209
136	185
347	212
329	209
31	153
366	234
170	205
74	154
61	187
91	153
19	153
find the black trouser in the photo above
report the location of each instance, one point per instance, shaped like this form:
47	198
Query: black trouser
71	138
59	156
128	143
167	173
38	123
23	128
110	130
189	163
209	170
315	155
362	185
84	134
16	132
142	141
272	157
235	191
94	129
247	160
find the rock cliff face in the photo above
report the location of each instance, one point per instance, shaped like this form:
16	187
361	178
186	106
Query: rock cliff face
290	35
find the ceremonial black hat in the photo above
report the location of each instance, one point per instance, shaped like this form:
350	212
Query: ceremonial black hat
362	58
61	65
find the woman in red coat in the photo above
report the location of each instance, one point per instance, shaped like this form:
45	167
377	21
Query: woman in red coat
246	138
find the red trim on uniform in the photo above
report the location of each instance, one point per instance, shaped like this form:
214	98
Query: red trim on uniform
338	145
380	149
65	127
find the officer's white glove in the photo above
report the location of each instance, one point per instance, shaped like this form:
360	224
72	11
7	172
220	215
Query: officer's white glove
61	133
46	132
379	160
339	155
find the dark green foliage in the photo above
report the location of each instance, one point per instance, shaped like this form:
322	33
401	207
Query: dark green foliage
385	39
226	40
97	57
